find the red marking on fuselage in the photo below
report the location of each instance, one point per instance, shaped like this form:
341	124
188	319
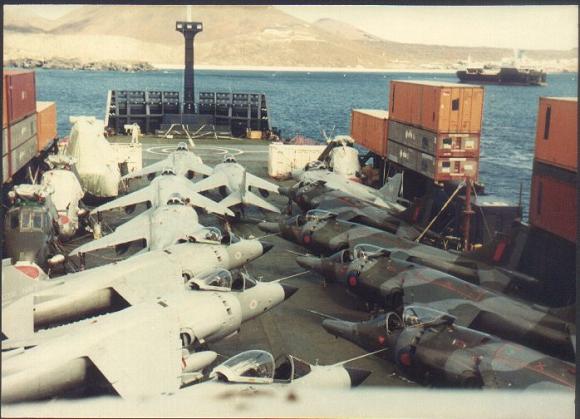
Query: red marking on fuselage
352	280
29	271
381	339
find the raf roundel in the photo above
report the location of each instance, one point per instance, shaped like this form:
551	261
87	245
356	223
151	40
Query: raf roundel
352	279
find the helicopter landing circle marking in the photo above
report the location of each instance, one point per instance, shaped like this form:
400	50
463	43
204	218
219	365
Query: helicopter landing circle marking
221	151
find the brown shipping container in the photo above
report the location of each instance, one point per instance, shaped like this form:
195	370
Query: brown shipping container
444	169
557	132
4	107
21	131
436	144
437	106
20	92
553	206
21	155
369	129
45	123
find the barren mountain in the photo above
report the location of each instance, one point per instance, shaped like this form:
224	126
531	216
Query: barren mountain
232	35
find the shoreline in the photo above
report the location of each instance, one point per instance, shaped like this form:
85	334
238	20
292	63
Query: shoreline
161	66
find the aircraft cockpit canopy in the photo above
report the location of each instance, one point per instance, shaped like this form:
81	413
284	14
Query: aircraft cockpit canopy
230	159
319	215
182	147
344	256
253	366
290	368
175	199
419	316
362	251
27	219
218	280
167	171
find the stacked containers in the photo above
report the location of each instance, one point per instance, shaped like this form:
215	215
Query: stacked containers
553	195
19	144
435	128
368	127
45	124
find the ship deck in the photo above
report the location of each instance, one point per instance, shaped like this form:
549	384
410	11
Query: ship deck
290	328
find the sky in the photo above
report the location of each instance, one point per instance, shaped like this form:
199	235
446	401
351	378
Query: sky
522	27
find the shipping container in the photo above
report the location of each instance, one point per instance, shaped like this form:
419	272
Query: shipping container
436	144
369	129
553	206
403	155
20	96
557	132
437	106
20	156
284	158
5	168
4	141
22	131
45	123
440	169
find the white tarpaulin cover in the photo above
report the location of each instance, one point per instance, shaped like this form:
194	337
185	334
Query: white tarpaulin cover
96	159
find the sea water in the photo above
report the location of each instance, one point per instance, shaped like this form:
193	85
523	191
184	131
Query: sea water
308	102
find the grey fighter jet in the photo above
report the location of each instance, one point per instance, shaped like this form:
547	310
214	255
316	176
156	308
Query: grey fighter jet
235	183
116	286
317	195
158	193
381	278
159	227
182	161
104	350
428	346
323	233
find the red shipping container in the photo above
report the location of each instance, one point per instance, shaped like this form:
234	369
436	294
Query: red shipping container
553	206
369	129
19	96
45	123
437	106
557	132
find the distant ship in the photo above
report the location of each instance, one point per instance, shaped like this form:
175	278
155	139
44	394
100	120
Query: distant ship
503	75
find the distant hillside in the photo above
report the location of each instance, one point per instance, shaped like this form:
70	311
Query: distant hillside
232	35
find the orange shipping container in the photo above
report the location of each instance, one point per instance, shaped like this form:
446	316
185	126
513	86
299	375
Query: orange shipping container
369	129
553	206
557	132
45	123
437	106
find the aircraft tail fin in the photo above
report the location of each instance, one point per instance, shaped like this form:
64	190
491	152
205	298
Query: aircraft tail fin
391	190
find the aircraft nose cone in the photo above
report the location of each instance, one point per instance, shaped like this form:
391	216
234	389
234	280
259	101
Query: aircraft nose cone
284	190
357	376
288	291
269	227
266	247
308	262
339	328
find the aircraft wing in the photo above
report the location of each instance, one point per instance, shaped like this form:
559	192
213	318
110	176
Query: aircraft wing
142	195
130	369
253	199
252	180
136	229
152	168
214	181
187	190
204	169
